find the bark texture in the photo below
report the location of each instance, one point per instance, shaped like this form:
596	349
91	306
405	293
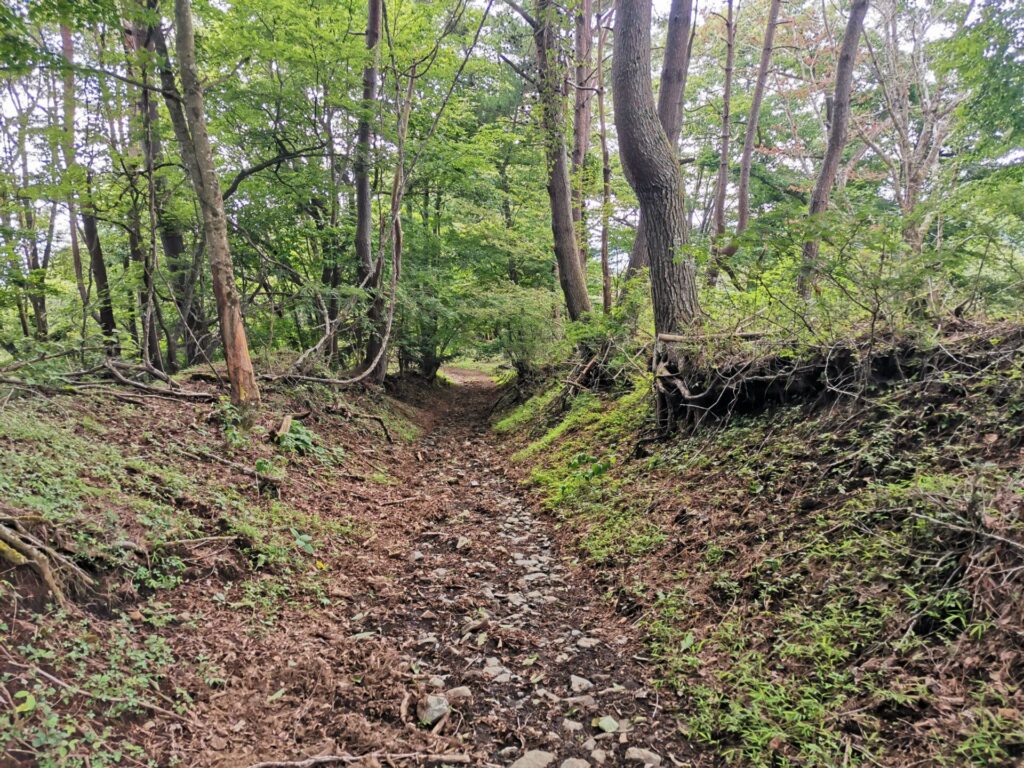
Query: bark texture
581	123
674	69
651	168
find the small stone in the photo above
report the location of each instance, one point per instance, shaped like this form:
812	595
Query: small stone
416	556
462	693
535	758
435	682
590	744
579	684
432	708
587	642
462	543
599	756
575	762
586	701
218	743
572	725
608	724
645	756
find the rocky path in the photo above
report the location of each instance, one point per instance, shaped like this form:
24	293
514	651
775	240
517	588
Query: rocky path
459	632
521	661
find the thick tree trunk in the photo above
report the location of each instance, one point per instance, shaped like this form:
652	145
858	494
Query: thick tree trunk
581	123
747	156
369	272
244	389
550	78
674	69
836	137
651	168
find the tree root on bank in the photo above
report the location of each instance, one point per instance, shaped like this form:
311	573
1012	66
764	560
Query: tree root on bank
20	548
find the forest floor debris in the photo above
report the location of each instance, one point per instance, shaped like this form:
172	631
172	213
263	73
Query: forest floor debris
379	603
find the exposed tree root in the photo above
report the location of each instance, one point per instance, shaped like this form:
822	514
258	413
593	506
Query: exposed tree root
20	548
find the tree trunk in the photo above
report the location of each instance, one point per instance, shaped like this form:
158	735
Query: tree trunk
244	389
674	69
651	168
747	157
606	171
549	84
839	124
723	148
185	269
68	147
108	324
369	272
581	124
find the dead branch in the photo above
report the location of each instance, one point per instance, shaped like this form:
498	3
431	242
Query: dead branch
179	394
312	762
348	413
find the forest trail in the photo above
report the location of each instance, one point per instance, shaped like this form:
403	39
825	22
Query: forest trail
470	633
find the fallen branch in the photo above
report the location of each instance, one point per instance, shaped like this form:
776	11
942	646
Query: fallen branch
177	394
312	762
348	413
199	454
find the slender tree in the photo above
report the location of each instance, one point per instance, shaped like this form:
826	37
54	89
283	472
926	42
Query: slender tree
606	166
722	181
749	137
651	168
584	91
836	137
244	389
370	270
550	79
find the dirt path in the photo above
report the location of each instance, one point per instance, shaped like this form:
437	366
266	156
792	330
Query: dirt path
460	629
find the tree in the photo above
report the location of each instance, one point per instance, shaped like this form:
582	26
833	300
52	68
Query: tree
671	91
836	137
650	165
244	389
583	93
550	78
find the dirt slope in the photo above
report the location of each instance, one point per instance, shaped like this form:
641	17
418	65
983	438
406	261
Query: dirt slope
456	589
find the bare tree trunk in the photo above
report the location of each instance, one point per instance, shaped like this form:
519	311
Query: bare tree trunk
651	168
244	389
68	148
674	70
836	137
369	271
108	323
747	156
606	171
185	269
581	123
722	180
549	84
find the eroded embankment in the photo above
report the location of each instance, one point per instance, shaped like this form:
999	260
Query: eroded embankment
831	580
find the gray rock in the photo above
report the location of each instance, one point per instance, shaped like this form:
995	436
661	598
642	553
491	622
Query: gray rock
462	543
435	682
535	758
587	642
432	708
462	693
572	725
644	756
579	684
599	756
575	762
